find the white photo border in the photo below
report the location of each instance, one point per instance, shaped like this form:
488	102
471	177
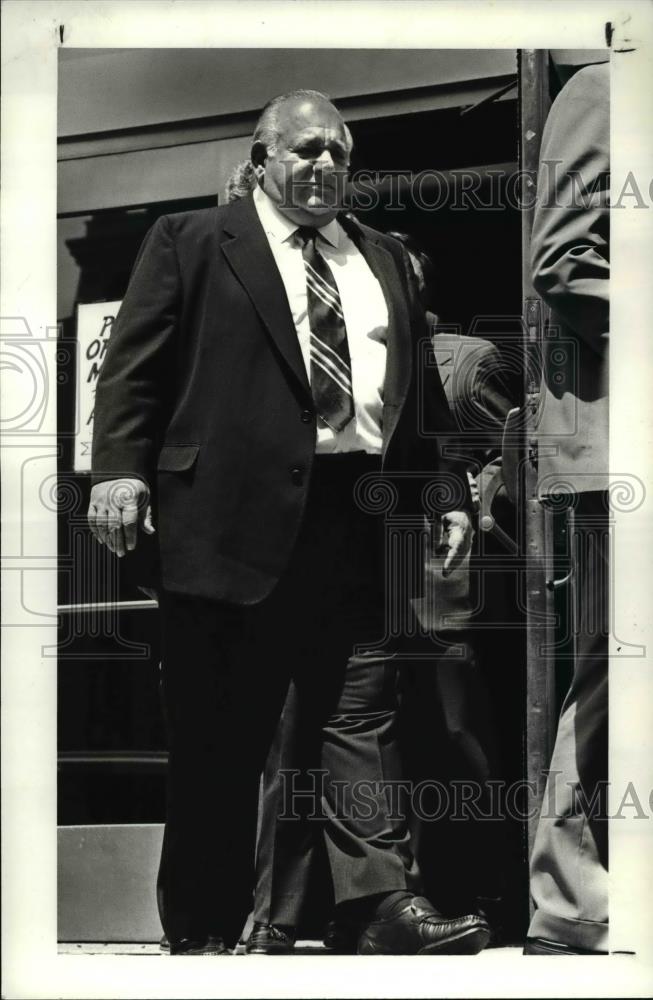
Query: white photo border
32	34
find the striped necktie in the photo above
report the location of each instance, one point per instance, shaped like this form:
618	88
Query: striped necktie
330	361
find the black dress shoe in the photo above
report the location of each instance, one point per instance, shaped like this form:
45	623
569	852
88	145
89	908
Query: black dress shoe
541	946
187	946
266	939
418	929
341	936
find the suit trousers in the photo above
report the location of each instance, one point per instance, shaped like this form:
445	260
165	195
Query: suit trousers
445	734
293	883
225	675
569	864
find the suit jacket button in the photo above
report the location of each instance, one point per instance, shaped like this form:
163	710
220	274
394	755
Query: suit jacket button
296	477
306	416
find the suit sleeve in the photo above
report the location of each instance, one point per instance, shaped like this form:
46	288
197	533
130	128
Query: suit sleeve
446	458
134	382
493	393
570	240
481	398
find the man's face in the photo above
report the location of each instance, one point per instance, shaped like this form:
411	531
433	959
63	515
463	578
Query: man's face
305	173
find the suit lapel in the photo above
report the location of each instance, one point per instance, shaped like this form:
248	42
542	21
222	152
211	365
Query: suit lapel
249	255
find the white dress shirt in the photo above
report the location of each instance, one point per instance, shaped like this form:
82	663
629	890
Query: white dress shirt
366	318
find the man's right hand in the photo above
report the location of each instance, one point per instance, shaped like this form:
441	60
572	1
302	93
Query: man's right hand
116	510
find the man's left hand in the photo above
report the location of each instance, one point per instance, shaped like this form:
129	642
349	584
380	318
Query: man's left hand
456	540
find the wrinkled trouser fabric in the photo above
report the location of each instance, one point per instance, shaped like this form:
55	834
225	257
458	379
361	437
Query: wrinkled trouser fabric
444	733
226	672
569	864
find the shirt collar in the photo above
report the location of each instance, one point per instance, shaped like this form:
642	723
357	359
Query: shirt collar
280	228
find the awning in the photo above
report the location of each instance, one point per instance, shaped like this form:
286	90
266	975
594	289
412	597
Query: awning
142	126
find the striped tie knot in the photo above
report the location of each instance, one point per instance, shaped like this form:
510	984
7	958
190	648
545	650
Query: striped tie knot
305	234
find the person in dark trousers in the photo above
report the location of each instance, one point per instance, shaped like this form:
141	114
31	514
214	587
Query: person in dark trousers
571	271
260	388
445	724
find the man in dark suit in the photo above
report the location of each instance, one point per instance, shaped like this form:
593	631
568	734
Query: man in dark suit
264	369
571	270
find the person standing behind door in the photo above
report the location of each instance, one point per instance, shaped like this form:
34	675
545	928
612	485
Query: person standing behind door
571	271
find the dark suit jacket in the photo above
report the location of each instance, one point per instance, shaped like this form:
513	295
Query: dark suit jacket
204	384
571	269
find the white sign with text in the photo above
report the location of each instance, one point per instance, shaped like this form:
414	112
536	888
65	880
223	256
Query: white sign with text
94	323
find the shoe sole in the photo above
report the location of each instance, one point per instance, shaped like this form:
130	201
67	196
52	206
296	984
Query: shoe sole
191	953
469	942
211	951
264	951
560	950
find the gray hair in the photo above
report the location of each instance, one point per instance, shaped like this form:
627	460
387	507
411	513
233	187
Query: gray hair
267	127
242	179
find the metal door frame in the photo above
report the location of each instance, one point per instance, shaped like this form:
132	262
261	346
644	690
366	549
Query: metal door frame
537	533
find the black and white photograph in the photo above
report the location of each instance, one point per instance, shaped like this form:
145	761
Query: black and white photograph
326	522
